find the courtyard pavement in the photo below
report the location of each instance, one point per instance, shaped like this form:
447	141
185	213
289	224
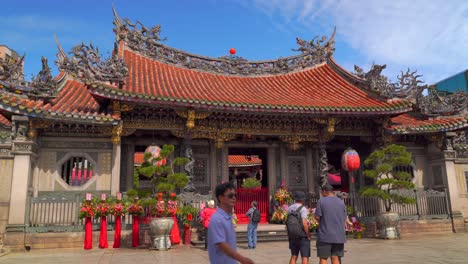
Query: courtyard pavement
445	248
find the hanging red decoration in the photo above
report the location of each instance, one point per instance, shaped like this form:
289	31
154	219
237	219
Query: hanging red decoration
232	51
350	160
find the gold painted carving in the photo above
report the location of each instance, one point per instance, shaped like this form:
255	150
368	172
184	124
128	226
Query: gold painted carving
330	122
117	133
191	116
35	124
118	107
215	134
295	140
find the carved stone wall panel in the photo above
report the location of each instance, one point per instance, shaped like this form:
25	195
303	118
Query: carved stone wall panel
296	171
105	170
6	175
47	169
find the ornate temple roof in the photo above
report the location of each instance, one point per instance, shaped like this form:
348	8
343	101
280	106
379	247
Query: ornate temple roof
72	103
412	124
317	89
144	71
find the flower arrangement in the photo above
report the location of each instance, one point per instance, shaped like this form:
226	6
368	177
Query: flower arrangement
87	209
135	209
279	216
358	228
103	208
165	207
234	219
313	224
118	209
283	196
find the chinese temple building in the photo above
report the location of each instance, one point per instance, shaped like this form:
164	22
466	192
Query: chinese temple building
79	131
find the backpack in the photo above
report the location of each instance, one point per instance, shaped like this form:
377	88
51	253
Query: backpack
256	216
294	225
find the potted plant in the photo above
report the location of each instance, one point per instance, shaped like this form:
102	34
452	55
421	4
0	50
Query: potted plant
187	214
389	184
165	181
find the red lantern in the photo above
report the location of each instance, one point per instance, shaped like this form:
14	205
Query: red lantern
155	150
350	160
232	51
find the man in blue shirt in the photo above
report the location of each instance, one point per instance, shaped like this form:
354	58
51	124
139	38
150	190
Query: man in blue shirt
331	216
222	247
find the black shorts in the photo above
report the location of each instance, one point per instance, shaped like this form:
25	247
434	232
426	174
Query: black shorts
326	250
300	245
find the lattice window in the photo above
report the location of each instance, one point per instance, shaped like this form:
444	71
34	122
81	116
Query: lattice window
76	171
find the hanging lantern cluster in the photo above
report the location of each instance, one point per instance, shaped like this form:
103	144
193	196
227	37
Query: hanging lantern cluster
350	160
155	150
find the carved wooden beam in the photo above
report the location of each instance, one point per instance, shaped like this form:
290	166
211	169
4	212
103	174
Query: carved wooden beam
191	116
295	140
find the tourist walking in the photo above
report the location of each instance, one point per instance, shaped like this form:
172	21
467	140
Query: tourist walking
298	229
205	217
222	248
254	218
330	213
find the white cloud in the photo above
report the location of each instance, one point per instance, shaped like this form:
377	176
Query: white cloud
431	36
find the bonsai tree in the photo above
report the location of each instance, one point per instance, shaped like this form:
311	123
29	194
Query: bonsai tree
387	181
161	173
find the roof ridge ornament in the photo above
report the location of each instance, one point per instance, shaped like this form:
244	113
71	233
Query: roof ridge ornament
86	63
43	86
316	47
409	88
11	70
147	41
435	104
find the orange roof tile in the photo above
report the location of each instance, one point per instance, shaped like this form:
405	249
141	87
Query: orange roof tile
409	124
4	121
318	89
138	158
242	161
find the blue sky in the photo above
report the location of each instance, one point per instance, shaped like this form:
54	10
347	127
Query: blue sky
430	36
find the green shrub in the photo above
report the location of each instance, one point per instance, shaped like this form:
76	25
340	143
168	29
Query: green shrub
251	183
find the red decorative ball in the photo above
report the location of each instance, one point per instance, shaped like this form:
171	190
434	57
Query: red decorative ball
232	51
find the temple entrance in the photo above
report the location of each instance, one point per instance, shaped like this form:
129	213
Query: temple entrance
244	164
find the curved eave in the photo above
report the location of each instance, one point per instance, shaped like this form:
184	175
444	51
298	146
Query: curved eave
104	91
409	125
73	104
4	122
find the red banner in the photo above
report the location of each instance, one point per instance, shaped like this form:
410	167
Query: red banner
118	228
135	232
103	233
88	240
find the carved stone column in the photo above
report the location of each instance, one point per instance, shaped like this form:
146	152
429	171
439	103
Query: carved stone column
450	179
323	163
188	168
116	157
21	188
271	156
